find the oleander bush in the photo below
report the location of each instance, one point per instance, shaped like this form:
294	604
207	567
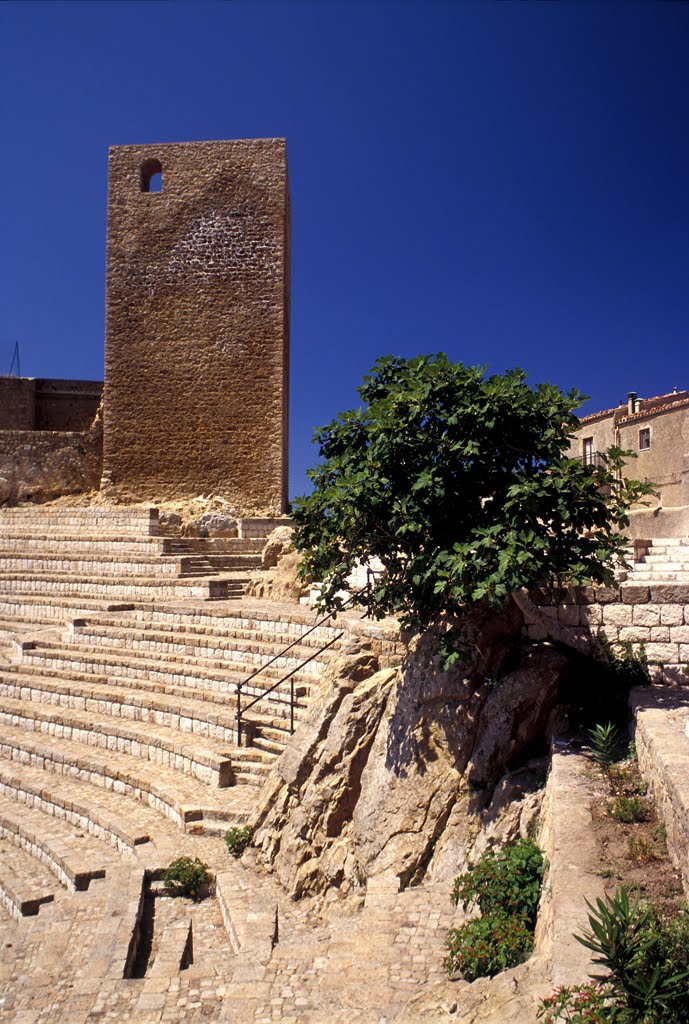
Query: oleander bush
505	885
646	960
506	880
487	945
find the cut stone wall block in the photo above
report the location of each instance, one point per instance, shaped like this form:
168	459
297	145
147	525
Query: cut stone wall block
669	593
673	615
568	614
636	634
646	615
632	593
664	653
591	615
617	615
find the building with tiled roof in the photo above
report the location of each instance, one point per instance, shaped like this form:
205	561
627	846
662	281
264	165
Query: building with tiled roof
657	431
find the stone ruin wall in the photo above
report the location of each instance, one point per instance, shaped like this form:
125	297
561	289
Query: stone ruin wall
38	465
197	317
28	403
51	438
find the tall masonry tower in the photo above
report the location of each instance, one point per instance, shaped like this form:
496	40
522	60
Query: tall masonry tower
197	322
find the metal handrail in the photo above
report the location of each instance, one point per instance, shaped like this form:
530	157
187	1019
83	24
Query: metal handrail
289	675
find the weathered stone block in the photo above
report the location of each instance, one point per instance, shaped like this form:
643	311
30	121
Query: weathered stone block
568	615
665	653
591	615
637	634
669	593
633	593
672	615
617	615
646	615
679	634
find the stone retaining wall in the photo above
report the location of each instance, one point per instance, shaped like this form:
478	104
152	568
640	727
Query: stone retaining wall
653	615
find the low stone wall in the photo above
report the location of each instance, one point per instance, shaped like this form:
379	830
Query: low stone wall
37	465
572	874
659	718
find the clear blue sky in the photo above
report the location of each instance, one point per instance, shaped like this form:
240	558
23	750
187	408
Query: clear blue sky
505	182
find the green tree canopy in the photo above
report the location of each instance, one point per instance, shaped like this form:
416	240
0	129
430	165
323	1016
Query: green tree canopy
461	485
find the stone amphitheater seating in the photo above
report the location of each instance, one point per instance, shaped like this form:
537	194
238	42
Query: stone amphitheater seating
121	647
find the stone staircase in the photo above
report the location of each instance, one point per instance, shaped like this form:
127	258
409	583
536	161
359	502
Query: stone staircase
661	560
112	555
120	660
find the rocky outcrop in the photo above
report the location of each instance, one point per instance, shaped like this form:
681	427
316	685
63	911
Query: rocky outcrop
395	768
277	544
281	582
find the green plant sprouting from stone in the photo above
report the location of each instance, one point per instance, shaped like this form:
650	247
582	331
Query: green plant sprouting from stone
237	839
604	741
188	876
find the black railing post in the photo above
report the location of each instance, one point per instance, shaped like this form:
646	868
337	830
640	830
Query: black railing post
291	706
239	714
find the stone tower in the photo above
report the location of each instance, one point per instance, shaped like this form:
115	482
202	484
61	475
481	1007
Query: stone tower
197	322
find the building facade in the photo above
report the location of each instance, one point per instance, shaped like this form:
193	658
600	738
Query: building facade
657	431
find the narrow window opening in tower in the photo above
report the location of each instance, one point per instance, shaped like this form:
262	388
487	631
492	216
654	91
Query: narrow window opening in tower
151	176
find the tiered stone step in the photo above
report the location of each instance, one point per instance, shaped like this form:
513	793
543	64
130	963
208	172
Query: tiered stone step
113	520
115	554
183	679
98	812
113	588
72	856
183	799
207	760
662	560
184	714
25	885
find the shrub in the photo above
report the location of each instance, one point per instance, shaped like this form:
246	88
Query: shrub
237	839
629	663
505	885
641	851
508	881
592	1003
487	945
668	952
628	809
187	876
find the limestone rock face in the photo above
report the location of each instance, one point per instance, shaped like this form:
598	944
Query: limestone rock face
282	582
393	769
512	996
277	544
